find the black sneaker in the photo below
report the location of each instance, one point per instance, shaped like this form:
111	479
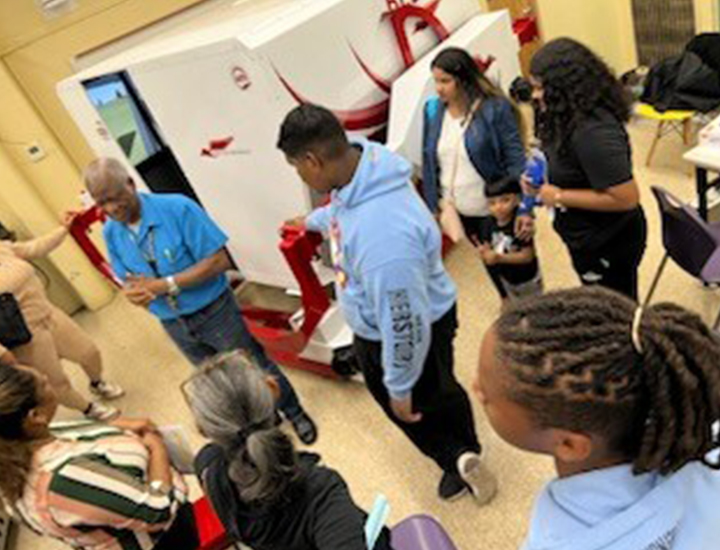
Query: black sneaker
305	428
452	486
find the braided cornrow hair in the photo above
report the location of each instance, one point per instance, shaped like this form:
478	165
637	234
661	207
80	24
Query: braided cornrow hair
575	367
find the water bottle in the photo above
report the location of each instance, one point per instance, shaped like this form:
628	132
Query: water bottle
536	167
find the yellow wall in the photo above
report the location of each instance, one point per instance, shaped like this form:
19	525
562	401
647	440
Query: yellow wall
34	55
605	26
706	15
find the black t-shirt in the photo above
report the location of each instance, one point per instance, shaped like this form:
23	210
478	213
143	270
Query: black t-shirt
318	512
597	156
502	239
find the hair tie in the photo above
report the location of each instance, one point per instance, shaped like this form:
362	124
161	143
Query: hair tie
243	434
635	334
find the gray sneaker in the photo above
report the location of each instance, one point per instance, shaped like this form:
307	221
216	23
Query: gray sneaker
101	412
481	482
106	390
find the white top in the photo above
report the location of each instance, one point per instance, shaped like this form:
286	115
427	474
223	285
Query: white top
135	227
468	187
704	156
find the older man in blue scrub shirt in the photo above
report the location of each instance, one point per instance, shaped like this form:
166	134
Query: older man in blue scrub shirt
172	258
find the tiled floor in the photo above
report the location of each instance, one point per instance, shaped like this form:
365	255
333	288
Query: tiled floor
355	437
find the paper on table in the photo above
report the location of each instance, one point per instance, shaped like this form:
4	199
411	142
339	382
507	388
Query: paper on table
376	520
179	450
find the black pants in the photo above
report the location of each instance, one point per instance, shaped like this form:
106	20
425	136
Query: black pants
447	428
615	263
477	230
183	534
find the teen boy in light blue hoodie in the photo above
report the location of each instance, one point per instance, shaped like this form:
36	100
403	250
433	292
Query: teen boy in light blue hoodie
626	400
393	288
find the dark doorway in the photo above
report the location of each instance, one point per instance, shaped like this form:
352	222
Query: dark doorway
131	124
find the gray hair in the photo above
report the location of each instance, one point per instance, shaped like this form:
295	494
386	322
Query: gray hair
105	172
234	407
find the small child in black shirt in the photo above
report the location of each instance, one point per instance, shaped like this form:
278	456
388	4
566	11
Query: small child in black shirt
505	255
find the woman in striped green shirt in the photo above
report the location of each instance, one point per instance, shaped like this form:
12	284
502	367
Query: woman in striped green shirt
94	487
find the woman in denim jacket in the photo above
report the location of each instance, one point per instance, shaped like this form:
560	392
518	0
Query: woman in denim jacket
471	136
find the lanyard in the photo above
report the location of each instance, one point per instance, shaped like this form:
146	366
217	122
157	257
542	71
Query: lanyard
148	254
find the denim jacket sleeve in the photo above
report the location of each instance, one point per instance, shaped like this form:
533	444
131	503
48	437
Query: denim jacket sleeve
430	172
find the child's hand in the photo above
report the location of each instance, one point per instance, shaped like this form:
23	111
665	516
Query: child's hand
488	255
525	227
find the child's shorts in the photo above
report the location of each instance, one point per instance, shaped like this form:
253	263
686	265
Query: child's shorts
533	287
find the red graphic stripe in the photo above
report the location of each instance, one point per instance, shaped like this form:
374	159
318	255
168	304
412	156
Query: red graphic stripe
353	120
383	84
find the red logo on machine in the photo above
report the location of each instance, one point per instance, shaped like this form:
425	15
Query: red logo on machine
220	147
399	11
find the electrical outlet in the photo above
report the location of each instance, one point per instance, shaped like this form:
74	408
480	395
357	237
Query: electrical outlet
35	152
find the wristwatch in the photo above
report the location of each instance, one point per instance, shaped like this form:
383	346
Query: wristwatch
158	487
173	288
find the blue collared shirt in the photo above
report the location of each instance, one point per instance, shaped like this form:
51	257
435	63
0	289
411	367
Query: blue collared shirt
177	234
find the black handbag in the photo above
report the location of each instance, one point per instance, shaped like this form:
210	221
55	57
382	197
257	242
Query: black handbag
14	331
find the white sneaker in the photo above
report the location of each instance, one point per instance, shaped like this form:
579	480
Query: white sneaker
107	390
101	412
480	480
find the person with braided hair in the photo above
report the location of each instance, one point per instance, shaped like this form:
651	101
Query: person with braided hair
267	495
626	400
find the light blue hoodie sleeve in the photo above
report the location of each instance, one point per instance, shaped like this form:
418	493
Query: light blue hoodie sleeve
398	290
319	219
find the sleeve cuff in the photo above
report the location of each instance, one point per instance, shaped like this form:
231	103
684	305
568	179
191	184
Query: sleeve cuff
399	396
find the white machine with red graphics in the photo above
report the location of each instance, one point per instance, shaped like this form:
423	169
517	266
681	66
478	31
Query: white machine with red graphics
194	105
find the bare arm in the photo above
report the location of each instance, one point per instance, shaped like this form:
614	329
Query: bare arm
40	247
199	273
619	198
159	468
206	269
522	256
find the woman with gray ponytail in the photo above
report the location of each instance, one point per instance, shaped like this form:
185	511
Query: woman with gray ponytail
267	495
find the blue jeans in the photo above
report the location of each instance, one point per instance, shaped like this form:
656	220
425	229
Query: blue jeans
219	328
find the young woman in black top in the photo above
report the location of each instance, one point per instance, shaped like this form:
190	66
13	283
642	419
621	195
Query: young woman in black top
582	111
267	496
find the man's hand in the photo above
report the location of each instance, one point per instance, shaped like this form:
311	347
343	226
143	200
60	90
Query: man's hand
488	255
298	221
140	426
140	289
403	410
138	292
525	227
8	358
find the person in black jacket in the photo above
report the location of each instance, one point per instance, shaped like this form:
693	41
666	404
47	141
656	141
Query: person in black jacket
582	111
267	495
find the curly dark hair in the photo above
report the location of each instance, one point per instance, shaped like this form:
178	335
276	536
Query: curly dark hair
576	84
575	367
